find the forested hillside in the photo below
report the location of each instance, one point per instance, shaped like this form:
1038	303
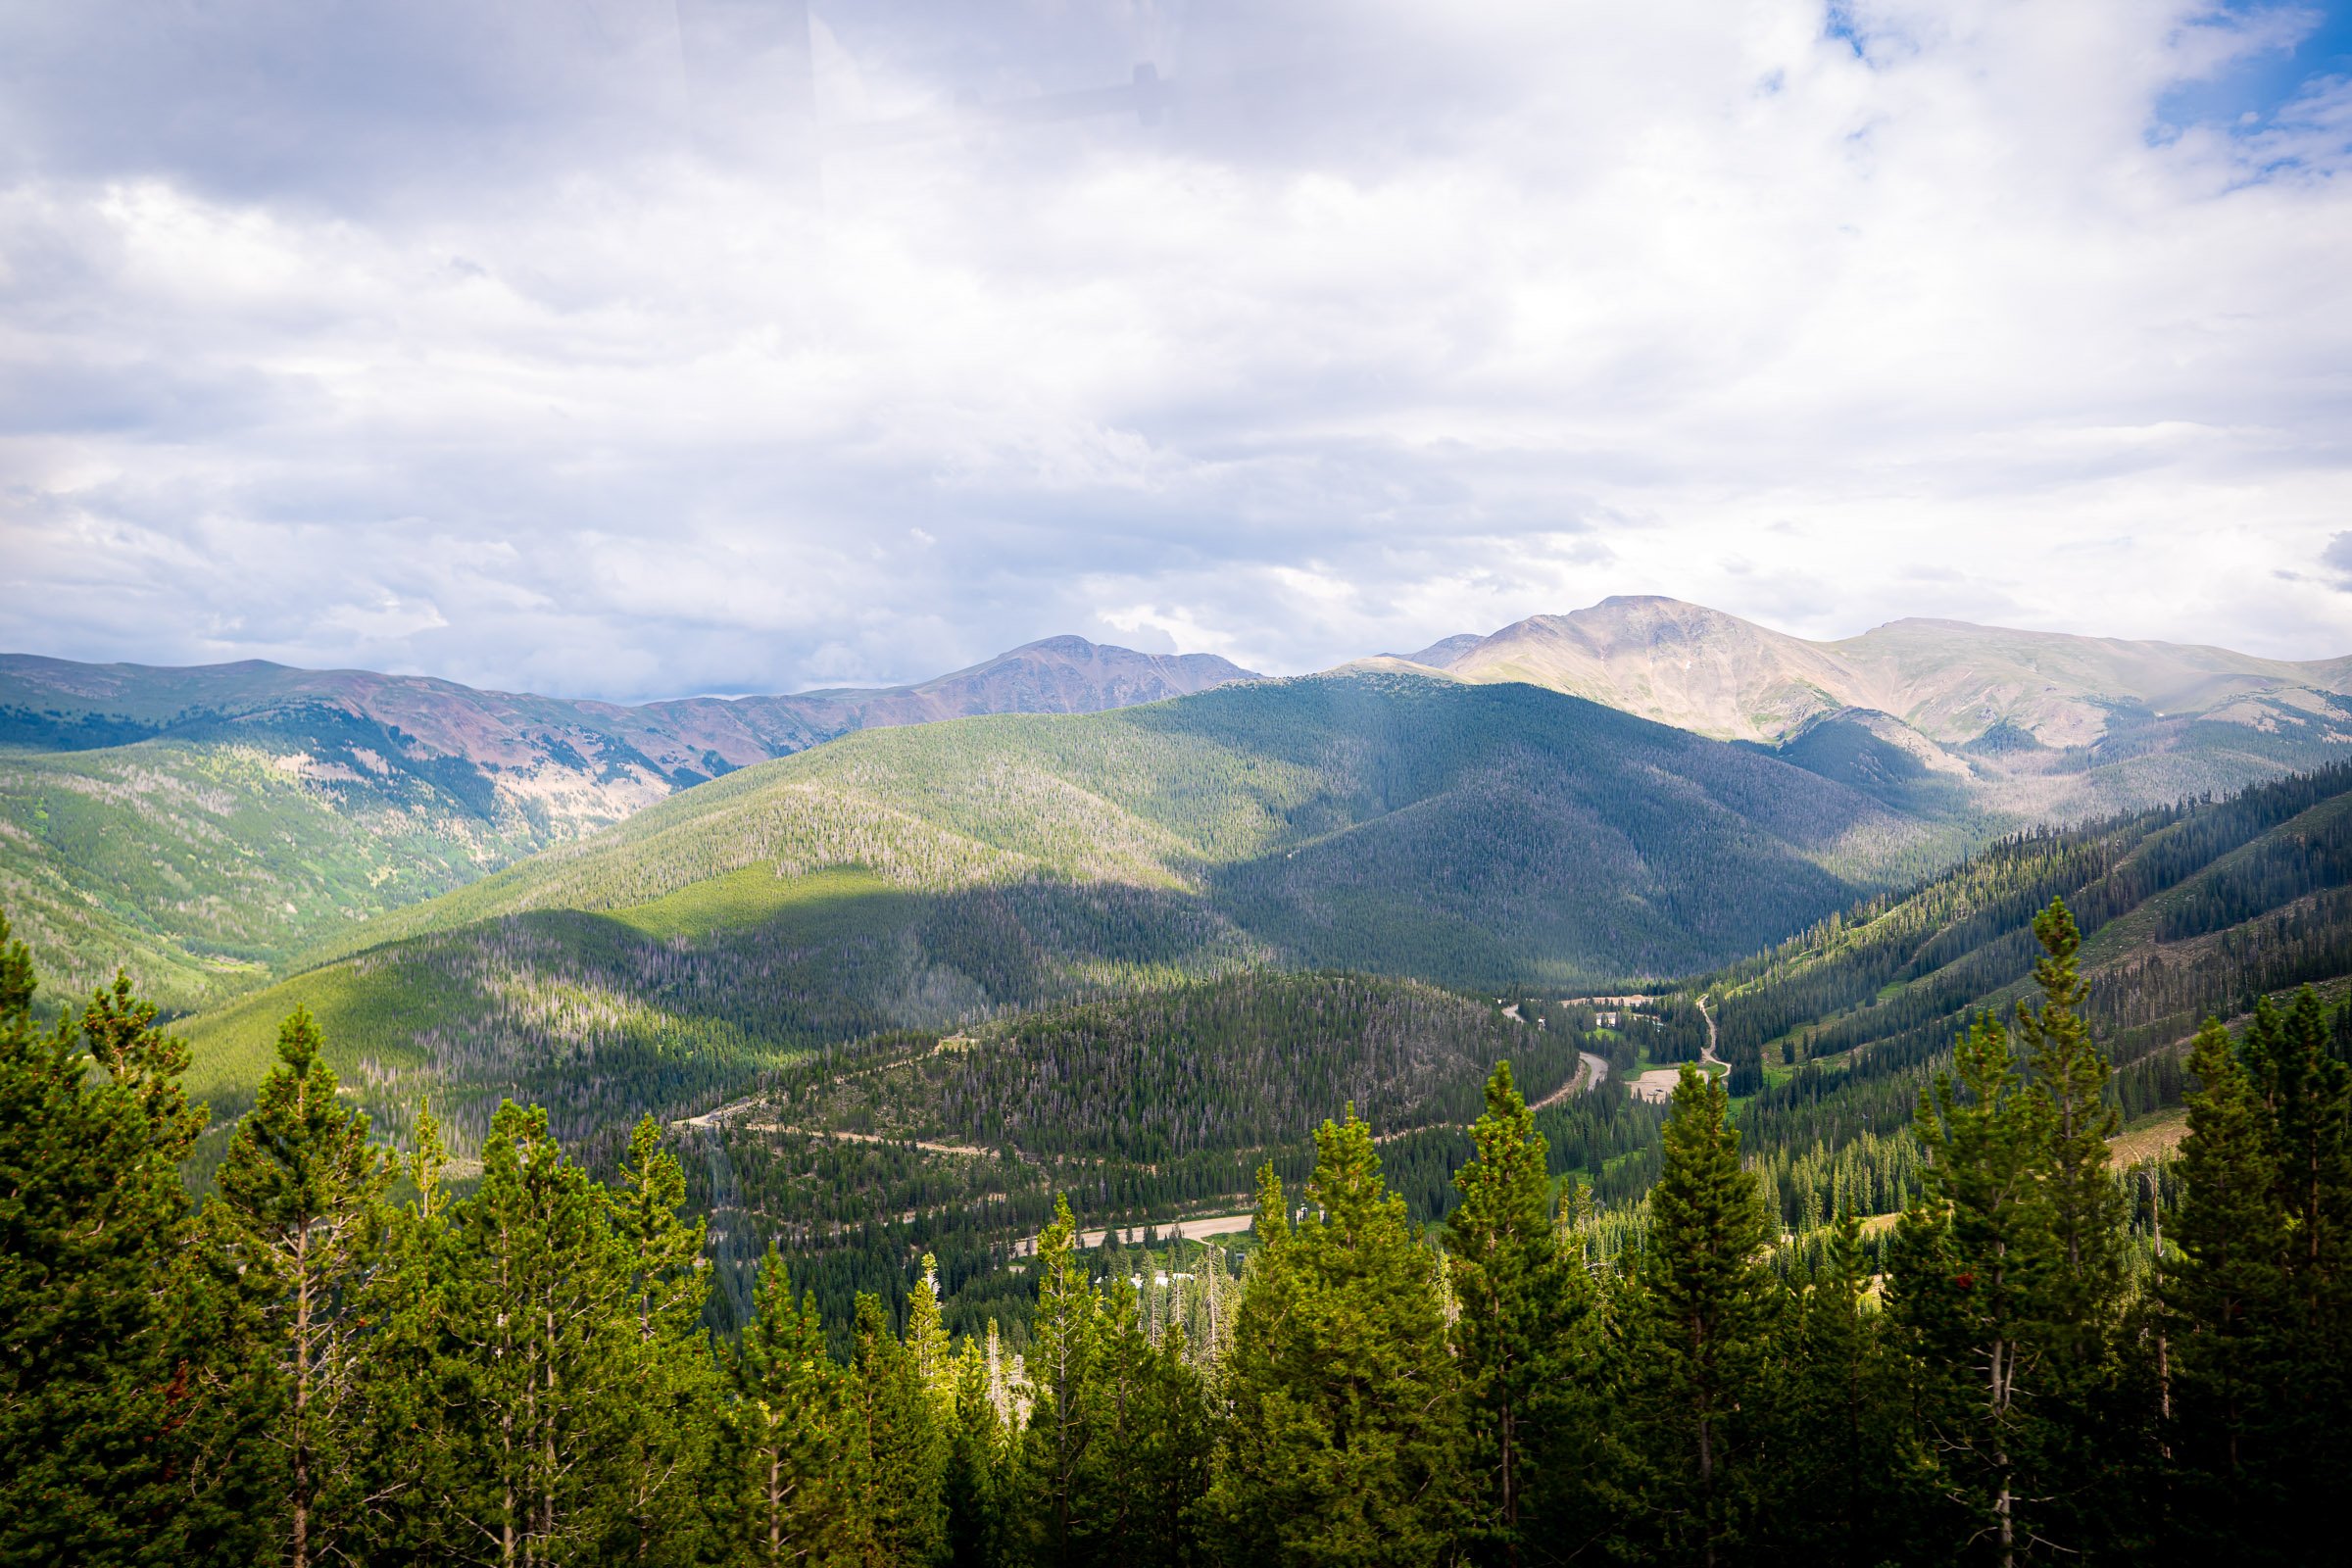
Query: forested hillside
916	878
216	825
2197	909
1143	1109
206	824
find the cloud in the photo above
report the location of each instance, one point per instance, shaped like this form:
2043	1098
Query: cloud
2338	557
648	348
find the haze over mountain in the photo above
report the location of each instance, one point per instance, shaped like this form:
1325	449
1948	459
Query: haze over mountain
208	822
1703	670
2024	724
580	761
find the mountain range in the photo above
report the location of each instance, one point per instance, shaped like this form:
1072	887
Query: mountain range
219	826
209	823
2028	725
920	877
1953	683
1083	916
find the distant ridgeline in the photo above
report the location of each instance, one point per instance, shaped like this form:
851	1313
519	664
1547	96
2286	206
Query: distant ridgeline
220	826
207	824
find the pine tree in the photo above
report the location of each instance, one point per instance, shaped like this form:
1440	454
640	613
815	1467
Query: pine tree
1055	1443
978	1480
1523	1307
1704	1306
1849	1477
2306	1092
405	1376
2086	1207
119	1420
1143	1464
898	1446
1343	1431
2313	1098
300	1194
669	1437
927	1339
2226	1298
539	1326
1971	1282
1170	1428
787	1423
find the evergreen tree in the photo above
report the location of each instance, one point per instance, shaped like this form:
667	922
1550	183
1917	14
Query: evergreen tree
1972	1284
928	1339
1523	1306
1061	1431
1849	1480
2094	1433
1146	1461
300	1199
406	1371
669	1437
2225	1297
1344	1429
788	1421
119	1435
2086	1207
2306	1092
1703	1310
539	1319
1170	1427
898	1446
2312	1093
978	1482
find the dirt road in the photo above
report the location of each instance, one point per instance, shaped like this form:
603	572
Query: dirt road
1197	1229
1658	1083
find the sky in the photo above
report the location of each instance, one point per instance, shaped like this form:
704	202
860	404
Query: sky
633	348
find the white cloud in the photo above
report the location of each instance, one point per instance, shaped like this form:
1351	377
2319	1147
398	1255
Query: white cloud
1404	320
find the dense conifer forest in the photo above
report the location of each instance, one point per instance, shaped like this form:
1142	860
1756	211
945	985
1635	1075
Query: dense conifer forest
352	1350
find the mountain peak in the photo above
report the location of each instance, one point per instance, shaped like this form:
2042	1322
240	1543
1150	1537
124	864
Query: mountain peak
1950	681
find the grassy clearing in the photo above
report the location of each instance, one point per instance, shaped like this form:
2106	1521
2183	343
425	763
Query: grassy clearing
2155	1137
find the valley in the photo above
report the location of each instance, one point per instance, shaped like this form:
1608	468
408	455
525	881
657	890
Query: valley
971	992
897	988
1467	835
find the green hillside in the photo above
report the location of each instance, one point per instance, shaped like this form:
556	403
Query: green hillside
2193	910
919	877
208	825
204	867
1287	805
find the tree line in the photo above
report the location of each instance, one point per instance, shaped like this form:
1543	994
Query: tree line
351	1353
